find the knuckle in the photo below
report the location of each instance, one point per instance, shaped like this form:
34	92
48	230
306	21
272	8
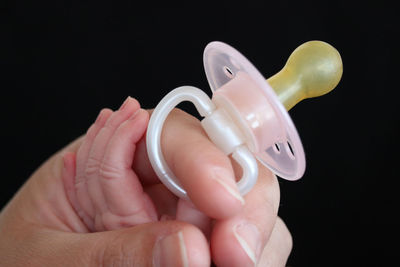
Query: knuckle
109	171
92	166
106	111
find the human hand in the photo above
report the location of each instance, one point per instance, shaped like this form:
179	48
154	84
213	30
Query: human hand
39	218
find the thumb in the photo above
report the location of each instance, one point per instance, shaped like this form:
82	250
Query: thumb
167	243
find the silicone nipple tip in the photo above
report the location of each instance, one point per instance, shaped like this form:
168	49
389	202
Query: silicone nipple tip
313	69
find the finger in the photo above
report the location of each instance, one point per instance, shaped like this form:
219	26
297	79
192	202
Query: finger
278	248
121	148
83	205
97	151
123	193
203	170
91	133
100	142
238	241
161	244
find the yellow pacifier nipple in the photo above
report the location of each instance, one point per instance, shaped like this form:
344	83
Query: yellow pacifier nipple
312	70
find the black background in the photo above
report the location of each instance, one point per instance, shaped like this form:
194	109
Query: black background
63	61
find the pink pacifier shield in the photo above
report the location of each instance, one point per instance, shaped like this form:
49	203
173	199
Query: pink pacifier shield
269	131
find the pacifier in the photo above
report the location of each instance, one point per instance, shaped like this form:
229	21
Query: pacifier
247	116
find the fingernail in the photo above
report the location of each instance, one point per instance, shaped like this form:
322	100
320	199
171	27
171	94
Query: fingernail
230	188
248	236
125	102
170	251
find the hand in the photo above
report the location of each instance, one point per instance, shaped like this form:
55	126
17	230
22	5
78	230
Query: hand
40	226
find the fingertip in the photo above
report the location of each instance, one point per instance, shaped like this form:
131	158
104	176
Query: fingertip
101	119
130	103
128	109
103	115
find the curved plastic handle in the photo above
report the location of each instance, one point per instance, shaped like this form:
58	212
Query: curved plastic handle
206	108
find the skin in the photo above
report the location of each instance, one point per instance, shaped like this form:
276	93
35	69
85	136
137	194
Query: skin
99	202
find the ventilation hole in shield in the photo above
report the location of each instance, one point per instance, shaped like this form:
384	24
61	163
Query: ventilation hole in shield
277	148
289	150
228	72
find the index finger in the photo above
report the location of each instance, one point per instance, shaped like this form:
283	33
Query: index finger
204	171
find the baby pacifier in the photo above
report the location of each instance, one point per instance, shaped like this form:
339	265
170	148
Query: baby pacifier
247	116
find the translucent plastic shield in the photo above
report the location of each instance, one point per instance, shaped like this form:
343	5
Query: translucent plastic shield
270	133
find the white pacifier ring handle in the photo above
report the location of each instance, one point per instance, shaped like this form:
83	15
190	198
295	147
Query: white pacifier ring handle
206	108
